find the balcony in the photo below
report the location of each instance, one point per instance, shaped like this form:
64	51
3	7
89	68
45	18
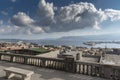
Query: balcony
44	74
59	69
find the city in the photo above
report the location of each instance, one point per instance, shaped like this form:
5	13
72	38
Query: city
80	60
59	40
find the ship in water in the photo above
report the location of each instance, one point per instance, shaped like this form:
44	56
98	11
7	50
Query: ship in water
90	43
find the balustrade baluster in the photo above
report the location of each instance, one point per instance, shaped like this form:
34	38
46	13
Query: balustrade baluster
87	70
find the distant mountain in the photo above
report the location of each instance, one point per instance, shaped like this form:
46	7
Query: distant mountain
113	37
92	37
13	40
10	40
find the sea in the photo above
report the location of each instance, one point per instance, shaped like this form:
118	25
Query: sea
78	43
69	42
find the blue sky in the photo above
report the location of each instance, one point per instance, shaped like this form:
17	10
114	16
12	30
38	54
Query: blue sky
36	19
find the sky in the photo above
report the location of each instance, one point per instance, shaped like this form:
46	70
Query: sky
39	19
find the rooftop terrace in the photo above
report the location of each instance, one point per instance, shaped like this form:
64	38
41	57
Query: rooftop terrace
43	68
45	74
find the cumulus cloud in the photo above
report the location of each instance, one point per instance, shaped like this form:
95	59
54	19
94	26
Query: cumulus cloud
21	19
13	0
71	17
25	23
45	13
78	16
62	19
3	29
114	15
74	16
4	13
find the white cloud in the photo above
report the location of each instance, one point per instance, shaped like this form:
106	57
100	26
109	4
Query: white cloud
4	13
21	19
13	0
52	19
25	23
45	13
71	17
74	16
114	15
47	9
6	29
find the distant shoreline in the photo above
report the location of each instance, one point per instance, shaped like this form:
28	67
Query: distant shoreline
93	43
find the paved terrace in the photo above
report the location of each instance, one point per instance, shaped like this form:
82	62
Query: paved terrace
45	74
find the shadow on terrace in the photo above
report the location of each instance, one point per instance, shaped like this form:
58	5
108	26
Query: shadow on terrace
43	73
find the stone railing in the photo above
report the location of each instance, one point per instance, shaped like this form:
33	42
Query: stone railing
32	60
68	64
96	69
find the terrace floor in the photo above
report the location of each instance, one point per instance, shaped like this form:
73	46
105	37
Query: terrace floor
45	74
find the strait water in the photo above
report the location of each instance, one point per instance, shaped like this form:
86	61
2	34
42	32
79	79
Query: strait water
76	43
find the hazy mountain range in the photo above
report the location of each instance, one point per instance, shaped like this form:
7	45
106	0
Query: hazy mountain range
95	37
72	38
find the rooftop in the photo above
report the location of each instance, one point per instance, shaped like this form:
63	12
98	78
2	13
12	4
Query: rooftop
40	50
111	59
45	74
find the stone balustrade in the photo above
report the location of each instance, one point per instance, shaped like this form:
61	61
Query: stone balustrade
68	64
